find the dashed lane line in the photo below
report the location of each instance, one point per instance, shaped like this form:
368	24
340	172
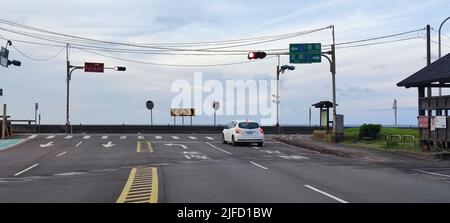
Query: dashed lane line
123	137
158	137
68	137
61	154
192	137
25	170
210	138
326	194
175	137
104	137
258	165
215	147
141	186
140	137
432	173
50	137
32	136
86	137
78	144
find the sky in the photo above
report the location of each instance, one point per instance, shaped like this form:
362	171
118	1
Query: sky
365	80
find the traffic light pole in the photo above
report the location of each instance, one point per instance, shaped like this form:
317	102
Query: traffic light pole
333	76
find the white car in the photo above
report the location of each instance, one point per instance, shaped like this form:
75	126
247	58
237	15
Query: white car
243	132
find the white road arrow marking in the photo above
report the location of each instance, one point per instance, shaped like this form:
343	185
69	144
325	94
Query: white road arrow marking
174	144
50	137
46	145
109	144
68	137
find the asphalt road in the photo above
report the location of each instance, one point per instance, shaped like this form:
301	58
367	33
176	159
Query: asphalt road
199	168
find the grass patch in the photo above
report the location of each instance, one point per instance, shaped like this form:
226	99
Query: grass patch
351	138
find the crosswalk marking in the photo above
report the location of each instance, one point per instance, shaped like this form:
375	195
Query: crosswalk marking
210	138
86	137
32	136
68	137
50	137
140	137
158	137
175	137
192	137
123	137
104	137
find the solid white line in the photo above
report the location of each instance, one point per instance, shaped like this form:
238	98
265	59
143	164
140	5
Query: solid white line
32	136
437	174
192	137
50	137
25	170
78	144
158	137
175	137
259	165
326	194
62	153
215	147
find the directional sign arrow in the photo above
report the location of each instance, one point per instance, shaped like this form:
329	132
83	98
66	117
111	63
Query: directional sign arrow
174	144
109	144
46	145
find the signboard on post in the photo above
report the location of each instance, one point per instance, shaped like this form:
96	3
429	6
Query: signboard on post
94	67
182	112
1	92
305	53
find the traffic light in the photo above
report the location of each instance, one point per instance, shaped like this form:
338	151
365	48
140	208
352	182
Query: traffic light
14	62
120	68
256	55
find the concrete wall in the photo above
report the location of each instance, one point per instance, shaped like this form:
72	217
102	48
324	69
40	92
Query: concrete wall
150	129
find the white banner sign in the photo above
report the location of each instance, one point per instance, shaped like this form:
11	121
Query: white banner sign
441	122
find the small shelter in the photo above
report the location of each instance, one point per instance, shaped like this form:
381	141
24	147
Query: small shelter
433	111
324	112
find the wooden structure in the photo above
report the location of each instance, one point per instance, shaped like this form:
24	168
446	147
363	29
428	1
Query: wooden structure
433	111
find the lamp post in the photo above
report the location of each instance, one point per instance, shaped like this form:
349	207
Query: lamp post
440	28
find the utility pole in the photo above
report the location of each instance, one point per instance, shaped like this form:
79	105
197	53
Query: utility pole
333	74
277	98
4	122
309	116
68	87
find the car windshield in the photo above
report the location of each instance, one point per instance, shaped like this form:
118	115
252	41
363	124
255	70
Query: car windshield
248	125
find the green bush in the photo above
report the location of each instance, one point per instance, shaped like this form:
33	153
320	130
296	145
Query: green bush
370	131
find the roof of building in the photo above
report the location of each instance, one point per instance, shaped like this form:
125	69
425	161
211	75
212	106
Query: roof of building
438	71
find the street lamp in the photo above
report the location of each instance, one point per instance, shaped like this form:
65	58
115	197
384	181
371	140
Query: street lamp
281	69
440	27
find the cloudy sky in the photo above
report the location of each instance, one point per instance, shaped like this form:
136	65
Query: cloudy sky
366	76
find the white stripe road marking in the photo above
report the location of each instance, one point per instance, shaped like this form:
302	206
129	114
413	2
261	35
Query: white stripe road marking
62	153
68	137
86	137
158	137
258	165
210	138
104	137
326	194
192	137
436	174
175	137
140	137
215	147
123	137
50	137
25	170
32	136
78	144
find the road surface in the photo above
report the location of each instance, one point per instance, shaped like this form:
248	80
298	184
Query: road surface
199	168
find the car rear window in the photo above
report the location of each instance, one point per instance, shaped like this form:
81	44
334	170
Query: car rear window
248	125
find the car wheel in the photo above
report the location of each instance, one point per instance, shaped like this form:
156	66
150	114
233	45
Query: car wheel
233	142
260	144
223	139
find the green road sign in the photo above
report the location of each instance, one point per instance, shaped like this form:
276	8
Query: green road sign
305	53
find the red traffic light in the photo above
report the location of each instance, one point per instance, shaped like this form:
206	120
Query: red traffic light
256	55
